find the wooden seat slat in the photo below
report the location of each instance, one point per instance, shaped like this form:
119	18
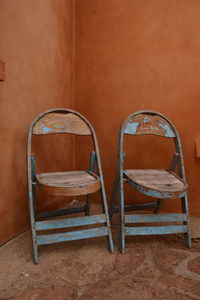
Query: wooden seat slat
158	180
69	183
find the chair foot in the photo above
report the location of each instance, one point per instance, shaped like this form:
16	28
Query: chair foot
122	243
188	241
110	245
35	255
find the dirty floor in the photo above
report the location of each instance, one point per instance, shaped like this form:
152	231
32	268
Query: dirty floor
152	268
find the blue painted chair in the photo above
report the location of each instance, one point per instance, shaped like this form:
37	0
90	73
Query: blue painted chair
157	183
74	183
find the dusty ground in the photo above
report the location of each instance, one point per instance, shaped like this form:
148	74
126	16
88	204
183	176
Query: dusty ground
151	268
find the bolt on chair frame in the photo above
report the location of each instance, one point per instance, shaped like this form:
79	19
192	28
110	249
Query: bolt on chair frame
51	122
151	123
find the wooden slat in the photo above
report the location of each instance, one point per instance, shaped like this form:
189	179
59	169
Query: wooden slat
71	183
66	179
70	236
70	222
155	218
155	230
160	180
149	124
61	123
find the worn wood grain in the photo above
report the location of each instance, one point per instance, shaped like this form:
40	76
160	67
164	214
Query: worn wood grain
149	124
157	180
61	123
72	183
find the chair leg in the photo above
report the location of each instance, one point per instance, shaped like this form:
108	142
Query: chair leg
88	204
34	240
114	195
157	209
121	215
105	210
35	251
32	221
187	236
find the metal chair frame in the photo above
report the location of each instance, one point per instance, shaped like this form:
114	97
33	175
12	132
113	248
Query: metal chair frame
166	130
37	221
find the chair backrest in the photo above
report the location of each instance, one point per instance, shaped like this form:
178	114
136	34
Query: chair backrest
148	122
61	121
152	123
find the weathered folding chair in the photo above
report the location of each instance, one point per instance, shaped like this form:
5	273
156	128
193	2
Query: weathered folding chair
72	183
160	184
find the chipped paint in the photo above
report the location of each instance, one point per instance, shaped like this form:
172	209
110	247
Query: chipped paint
169	132
45	129
155	230
70	236
151	193
146	120
131	128
70	222
155	218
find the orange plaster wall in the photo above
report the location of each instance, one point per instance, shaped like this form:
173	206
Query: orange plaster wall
36	45
140	54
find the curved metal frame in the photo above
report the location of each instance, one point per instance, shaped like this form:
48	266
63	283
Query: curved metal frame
119	181
31	179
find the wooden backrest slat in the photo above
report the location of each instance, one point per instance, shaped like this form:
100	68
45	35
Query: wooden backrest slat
53	123
149	124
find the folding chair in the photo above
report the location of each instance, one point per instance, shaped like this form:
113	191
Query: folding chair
161	184
74	183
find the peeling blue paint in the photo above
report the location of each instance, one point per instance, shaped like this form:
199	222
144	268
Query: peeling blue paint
131	128
151	193
169	132
70	236
71	222
146	120
155	230
182	195
45	129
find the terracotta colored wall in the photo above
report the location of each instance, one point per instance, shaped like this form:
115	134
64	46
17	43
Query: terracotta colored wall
36	44
140	54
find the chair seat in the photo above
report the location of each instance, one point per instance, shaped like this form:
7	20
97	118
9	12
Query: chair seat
156	183
72	183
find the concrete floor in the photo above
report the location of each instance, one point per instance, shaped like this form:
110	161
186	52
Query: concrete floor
152	268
